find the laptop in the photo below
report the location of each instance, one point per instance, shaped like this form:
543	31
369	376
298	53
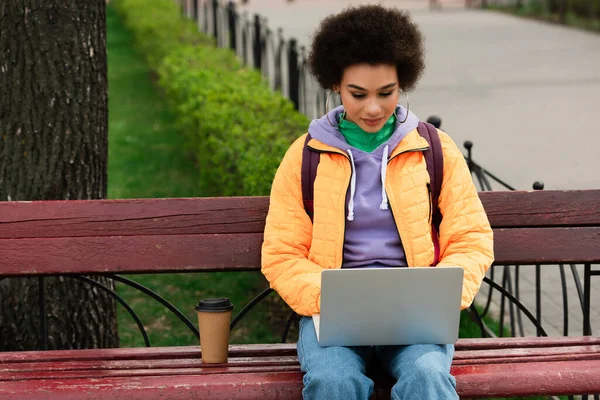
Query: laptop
389	306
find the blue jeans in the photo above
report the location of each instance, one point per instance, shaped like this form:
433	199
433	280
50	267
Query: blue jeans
421	371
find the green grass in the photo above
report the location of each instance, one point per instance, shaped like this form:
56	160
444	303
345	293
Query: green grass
147	159
146	155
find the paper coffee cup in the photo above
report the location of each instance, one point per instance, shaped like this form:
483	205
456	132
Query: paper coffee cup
214	318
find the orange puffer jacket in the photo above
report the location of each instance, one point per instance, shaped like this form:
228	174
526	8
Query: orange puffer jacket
295	251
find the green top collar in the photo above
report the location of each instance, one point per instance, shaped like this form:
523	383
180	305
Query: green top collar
362	140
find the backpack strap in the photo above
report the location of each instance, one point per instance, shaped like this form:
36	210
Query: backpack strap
434	159
310	161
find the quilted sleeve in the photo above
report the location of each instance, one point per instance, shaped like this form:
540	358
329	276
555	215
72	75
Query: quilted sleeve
466	238
287	239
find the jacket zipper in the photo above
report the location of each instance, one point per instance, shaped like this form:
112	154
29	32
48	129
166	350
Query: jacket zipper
409	151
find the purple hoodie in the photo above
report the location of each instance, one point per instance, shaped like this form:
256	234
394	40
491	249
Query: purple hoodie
372	237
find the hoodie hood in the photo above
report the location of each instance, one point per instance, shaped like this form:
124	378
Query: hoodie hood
322	130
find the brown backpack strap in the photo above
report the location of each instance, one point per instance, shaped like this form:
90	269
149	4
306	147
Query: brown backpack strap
310	161
434	158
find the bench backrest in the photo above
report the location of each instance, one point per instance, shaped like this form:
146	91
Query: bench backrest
216	234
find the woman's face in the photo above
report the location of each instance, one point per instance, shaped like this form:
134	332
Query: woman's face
369	94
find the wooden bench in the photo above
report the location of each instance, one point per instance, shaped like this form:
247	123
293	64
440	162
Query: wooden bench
225	234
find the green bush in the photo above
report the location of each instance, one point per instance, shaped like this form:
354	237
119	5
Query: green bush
237	128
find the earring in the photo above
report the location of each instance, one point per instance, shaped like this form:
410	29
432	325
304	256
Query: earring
407	110
327	109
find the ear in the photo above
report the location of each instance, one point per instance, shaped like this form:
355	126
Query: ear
336	88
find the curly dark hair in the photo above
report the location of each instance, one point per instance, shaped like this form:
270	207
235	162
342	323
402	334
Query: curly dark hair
369	34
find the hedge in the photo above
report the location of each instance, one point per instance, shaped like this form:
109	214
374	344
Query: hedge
236	127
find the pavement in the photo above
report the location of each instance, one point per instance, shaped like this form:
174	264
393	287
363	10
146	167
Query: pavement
526	93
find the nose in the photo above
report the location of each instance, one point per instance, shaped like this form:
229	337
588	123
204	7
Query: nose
373	109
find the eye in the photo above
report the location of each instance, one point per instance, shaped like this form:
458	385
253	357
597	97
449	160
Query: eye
358	95
385	94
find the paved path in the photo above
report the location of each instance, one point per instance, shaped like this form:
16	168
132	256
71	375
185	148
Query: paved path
526	93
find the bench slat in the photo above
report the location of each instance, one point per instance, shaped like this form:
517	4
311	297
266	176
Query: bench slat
95	369
76	218
144	353
528	379
542	208
546	245
115	373
538	358
265	386
525	342
167	363
558	378
50	219
175	359
241	252
139	254
518	352
271	350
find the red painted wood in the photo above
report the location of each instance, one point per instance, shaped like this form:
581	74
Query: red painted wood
113	373
527	342
247	362
241	252
97	369
272	350
258	362
37	219
472	381
50	219
177	359
144	353
265	386
538	358
546	245
526	379
523	352
542	208
140	254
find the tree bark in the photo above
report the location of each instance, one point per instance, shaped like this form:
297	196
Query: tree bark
53	146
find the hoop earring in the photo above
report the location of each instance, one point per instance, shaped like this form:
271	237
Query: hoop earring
327	109
407	110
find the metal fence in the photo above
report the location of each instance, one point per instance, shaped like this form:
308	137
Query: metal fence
281	61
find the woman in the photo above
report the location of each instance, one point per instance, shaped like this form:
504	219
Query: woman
371	203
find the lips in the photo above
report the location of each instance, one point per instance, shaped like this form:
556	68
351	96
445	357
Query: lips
372	122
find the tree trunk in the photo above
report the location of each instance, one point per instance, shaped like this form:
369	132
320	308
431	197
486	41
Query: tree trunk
53	146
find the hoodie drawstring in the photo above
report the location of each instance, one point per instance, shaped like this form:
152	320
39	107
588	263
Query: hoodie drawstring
352	188
384	161
384	198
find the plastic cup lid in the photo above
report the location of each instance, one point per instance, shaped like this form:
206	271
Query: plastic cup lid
219	304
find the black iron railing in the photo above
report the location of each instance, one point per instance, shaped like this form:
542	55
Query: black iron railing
511	277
